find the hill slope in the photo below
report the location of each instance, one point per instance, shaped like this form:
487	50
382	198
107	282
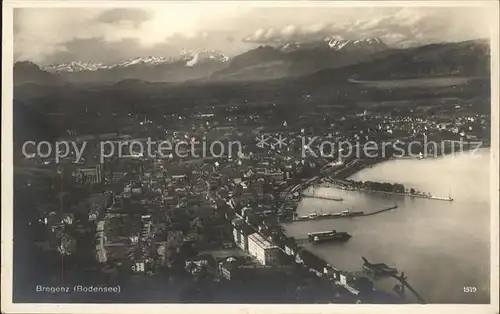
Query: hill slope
296	59
27	72
469	58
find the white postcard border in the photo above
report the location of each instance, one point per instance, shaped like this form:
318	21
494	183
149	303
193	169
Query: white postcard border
7	177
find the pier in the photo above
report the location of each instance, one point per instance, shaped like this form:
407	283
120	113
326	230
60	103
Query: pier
379	211
322	197
340	215
414	195
404	283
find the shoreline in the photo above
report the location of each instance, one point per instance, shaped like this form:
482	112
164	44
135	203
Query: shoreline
424	196
360	164
339	215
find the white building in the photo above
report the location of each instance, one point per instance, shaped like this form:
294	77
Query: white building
139	267
67	219
240	238
262	249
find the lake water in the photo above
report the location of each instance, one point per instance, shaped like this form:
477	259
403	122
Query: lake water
441	246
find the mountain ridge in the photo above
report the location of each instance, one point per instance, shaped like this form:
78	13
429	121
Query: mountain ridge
28	72
295	59
188	65
463	58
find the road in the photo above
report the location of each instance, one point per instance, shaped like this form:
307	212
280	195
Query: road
100	248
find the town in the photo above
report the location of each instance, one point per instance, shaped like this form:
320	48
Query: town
217	221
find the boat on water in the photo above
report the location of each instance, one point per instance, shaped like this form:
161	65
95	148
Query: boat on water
325	215
379	268
302	218
321	215
347	213
328	236
440	198
311	235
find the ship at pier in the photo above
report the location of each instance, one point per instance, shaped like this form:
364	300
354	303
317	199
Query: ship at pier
328	236
347	213
440	198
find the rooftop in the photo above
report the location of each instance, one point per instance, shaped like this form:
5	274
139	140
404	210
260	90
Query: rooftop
261	241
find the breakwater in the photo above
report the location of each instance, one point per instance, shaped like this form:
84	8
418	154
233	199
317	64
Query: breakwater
322	197
345	214
380	211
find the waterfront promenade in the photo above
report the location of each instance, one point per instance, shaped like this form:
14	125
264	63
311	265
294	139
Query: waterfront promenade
342	186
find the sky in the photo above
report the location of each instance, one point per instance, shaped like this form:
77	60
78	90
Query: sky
107	35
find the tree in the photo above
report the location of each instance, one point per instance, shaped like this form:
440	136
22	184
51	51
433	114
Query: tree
68	245
398	188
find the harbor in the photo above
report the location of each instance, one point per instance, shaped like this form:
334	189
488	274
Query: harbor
348	186
374	237
343	214
324	237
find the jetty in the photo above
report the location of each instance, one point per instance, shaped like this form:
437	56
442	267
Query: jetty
380	211
344	214
381	269
404	283
323	197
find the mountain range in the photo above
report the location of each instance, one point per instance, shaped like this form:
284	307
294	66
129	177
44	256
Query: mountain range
188	65
42	97
469	58
314	61
296	59
265	62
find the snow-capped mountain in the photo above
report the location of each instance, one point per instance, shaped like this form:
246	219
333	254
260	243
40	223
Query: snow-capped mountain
288	47
76	66
373	44
286	59
336	43
190	58
299	58
79	66
185	66
194	58
143	60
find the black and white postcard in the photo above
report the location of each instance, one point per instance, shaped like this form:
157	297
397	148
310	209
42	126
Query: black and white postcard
250	156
